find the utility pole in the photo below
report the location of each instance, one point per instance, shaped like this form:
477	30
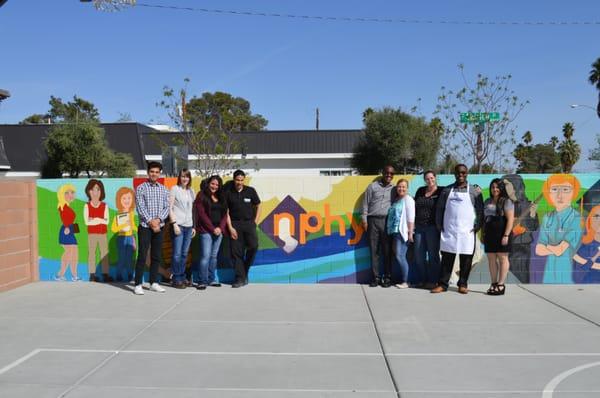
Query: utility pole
317	121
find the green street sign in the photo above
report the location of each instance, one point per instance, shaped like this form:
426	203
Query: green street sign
479	117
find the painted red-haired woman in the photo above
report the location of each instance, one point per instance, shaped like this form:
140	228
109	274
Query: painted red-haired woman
587	258
560	232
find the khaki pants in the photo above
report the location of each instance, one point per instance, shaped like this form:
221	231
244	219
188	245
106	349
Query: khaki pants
94	241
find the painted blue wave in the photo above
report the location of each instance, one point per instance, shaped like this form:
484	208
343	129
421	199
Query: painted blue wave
314	248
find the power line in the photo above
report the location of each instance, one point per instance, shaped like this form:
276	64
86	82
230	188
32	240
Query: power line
367	19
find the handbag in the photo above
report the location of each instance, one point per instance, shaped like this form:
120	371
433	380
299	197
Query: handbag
75	228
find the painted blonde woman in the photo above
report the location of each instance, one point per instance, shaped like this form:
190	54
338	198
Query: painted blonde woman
66	234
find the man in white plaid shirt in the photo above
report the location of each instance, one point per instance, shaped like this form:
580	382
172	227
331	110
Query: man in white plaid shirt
152	204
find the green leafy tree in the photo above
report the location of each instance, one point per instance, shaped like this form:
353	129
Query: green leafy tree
391	136
594	79
81	149
489	142
72	111
538	158
446	164
36	118
207	126
568	150
223	111
120	165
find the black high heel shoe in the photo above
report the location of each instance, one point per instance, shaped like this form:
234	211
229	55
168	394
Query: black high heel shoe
493	289
500	288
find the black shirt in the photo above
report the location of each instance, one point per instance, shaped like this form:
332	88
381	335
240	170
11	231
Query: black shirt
425	206
242	204
217	211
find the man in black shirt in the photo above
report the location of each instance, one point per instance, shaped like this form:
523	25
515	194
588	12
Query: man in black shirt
243	206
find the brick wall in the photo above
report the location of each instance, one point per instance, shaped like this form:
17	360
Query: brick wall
18	234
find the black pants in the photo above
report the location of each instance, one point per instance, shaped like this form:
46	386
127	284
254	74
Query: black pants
466	260
380	245
153	241
244	248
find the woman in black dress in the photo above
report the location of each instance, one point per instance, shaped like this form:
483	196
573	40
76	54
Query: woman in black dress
427	236
499	218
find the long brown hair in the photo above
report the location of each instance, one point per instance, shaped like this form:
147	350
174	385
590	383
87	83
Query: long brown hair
186	173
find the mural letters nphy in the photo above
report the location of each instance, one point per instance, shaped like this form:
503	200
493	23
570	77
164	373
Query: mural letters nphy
310	230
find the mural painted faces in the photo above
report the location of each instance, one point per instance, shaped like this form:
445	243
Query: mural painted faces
126	202
70	196
560	233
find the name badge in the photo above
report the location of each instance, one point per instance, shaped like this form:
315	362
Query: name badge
246	200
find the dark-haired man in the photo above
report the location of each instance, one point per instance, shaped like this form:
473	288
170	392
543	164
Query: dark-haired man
152	204
376	203
243	205
459	216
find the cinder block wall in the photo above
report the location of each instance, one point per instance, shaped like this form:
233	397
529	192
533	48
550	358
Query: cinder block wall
18	234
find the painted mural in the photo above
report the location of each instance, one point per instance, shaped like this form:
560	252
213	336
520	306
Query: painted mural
310	230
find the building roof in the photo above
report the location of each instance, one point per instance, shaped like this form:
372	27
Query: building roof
24	143
274	141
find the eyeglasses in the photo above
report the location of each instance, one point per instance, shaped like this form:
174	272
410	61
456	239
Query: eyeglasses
561	188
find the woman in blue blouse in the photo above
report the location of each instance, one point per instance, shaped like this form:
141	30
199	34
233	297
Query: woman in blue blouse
560	231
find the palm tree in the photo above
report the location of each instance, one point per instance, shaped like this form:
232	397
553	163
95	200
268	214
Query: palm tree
595	80
527	137
568	131
568	150
554	141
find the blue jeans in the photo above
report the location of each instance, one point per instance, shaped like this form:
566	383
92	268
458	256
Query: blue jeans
125	248
181	247
209	249
401	247
427	253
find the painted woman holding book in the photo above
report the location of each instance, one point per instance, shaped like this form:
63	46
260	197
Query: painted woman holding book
124	225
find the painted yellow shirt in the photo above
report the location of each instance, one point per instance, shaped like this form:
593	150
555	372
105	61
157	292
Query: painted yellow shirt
124	228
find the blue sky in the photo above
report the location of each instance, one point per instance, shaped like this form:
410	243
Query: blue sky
288	67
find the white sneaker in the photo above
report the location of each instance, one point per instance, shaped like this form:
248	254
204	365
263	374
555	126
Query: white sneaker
138	290
402	285
155	287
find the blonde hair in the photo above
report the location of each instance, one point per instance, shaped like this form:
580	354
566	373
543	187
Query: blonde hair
61	194
402	180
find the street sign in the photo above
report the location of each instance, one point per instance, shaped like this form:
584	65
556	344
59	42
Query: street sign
479	117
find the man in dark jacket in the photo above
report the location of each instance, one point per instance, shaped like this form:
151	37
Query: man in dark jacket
459	216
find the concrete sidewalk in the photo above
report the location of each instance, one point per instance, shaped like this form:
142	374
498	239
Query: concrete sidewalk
95	340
